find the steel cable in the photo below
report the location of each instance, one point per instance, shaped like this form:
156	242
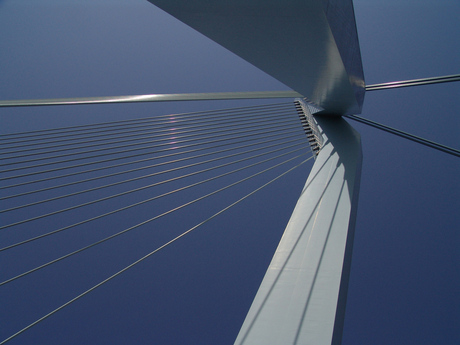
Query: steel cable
166	136
126	192
143	148
146	167
222	112
149	220
149	254
219	139
150	175
278	137
414	138
273	136
162	125
149	132
134	205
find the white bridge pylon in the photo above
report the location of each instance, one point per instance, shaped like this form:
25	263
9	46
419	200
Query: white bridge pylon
302	297
312	47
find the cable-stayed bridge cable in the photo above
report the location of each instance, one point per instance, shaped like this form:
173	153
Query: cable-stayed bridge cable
414	138
129	191
219	139
163	137
151	166
145	256
149	220
131	206
155	174
187	116
162	124
252	131
414	82
138	136
218	143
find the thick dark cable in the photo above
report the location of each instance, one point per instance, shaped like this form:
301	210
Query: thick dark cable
432	144
124	193
148	175
146	256
163	137
219	144
413	82
148	133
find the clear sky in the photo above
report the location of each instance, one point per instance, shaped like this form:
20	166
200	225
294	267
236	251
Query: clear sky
405	272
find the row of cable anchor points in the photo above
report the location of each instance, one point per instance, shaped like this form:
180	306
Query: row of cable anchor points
312	138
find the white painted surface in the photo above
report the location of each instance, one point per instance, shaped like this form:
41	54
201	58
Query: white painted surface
289	39
298	301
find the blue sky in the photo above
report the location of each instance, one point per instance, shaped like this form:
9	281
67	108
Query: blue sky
405	271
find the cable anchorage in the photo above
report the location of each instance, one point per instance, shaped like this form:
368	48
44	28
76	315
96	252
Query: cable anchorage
309	126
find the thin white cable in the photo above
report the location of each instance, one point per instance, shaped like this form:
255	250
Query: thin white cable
152	252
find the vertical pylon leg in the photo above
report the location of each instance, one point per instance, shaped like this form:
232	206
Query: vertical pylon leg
302	297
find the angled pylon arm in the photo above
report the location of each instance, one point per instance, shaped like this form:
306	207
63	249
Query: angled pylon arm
310	45
302	297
